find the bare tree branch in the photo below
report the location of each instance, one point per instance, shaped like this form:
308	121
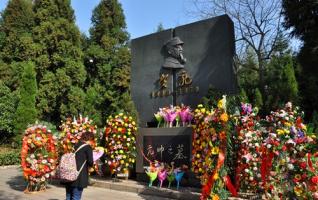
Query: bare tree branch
256	23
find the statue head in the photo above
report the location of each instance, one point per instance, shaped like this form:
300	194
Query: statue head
175	58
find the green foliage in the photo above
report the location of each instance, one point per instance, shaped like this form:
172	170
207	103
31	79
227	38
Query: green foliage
16	25
301	18
243	96
281	81
94	97
248	77
108	21
26	112
60	71
107	61
314	121
8	104
160	27
258	99
10	158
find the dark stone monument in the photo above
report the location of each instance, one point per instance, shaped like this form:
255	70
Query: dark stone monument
208	47
178	66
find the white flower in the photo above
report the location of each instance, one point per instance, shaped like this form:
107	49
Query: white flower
251	178
290	141
290	166
268	146
32	156
44	161
255	168
246	170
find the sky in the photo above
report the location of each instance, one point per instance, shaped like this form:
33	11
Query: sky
142	16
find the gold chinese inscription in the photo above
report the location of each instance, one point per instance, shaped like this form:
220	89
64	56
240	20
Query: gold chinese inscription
163	81
183	82
184	79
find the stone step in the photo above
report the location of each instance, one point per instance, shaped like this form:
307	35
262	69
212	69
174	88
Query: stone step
184	193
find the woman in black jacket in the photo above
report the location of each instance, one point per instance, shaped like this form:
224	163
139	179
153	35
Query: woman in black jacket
74	189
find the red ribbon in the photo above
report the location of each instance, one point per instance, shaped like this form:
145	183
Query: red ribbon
206	189
267	158
230	186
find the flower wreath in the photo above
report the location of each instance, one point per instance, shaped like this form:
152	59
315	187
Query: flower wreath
38	157
120	135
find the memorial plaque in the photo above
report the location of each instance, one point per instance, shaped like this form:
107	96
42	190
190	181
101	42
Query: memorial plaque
207	61
168	149
165	145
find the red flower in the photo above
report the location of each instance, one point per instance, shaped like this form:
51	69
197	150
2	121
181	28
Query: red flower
303	165
314	179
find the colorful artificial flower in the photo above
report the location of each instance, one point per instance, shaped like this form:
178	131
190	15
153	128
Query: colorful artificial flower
173	115
209	150
38	157
291	161
71	131
120	135
250	138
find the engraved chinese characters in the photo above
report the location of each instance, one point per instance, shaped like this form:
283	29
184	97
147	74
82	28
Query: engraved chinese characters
183	82
167	149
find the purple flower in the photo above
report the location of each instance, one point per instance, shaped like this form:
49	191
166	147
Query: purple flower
300	134
246	108
184	115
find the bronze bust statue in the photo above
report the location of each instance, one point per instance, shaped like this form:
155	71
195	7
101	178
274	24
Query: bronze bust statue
174	50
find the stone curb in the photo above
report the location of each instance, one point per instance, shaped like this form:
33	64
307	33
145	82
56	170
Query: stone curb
140	188
10	167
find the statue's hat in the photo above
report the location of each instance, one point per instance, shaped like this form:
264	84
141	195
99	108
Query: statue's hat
174	41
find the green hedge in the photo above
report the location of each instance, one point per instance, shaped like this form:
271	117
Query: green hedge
10	158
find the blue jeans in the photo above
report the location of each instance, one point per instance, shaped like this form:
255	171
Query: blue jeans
73	193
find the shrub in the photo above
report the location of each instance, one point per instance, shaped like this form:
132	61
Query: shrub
10	158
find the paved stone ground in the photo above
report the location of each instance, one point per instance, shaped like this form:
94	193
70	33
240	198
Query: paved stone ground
12	186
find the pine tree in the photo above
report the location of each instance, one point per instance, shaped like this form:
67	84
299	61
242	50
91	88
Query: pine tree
258	99
282	82
160	27
243	96
301	18
16	40
26	112
60	70
108	61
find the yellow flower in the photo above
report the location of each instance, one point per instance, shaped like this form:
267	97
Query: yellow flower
215	197
280	131
220	104
288	124
215	150
298	190
224	117
216	176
